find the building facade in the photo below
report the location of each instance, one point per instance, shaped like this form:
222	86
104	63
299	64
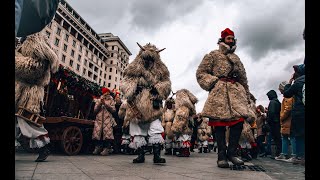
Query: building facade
82	50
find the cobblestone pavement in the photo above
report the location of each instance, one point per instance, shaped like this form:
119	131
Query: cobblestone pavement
197	166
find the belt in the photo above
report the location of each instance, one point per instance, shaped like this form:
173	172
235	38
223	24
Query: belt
228	79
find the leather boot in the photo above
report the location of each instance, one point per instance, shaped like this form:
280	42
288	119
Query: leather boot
235	132
140	158
156	154
205	150
97	150
200	150
221	143
168	151
43	154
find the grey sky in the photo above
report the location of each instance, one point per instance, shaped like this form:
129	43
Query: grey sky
269	35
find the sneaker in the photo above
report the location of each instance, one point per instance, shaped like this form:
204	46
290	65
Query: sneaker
291	160
281	157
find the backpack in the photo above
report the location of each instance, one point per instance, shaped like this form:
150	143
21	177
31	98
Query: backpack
303	94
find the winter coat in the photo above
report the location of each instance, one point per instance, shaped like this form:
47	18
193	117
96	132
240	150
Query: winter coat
185	109
298	109
261	118
274	107
204	131
104	122
145	85
227	101
285	115
34	63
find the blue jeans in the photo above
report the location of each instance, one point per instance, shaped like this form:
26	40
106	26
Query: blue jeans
300	146
285	145
18	11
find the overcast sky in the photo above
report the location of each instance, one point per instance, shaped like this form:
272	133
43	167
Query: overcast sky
269	35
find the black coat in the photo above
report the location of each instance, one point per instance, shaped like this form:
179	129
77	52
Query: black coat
298	110
274	108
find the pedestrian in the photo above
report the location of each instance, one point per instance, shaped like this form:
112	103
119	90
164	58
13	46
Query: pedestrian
294	89
285	121
117	130
222	73
273	119
34	63
102	133
146	83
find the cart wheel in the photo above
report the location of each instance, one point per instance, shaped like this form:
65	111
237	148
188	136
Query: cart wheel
71	140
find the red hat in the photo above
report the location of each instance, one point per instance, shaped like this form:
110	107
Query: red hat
105	90
226	33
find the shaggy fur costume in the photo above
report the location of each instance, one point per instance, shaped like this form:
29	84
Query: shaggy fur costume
167	118
34	61
185	108
227	101
204	130
145	73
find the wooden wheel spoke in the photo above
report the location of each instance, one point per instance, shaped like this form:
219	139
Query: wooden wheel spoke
72	140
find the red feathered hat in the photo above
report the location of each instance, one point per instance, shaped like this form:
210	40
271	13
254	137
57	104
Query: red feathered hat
226	33
105	90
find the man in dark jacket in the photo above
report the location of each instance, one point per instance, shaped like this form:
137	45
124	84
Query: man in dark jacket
273	119
298	111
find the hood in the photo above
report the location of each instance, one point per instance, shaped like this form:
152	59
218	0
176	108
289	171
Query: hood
300	79
272	94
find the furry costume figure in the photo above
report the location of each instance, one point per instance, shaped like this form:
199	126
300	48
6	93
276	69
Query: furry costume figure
222	73
126	138
145	85
167	119
185	109
204	133
34	61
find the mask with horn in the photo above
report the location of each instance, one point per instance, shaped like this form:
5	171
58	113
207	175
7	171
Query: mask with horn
149	53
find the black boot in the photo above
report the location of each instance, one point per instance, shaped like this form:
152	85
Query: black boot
168	151
157	153
235	132
205	150
200	150
43	154
140	158
174	151
221	143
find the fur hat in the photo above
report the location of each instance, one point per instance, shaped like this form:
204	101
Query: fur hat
226	33
282	84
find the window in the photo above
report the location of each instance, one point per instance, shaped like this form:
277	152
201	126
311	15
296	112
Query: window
74	43
104	76
80	48
79	58
89	73
104	83
109	77
111	62
112	47
96	69
116	71
85	62
65	48
63	58
90	65
72	53
100	73
66	37
110	70
56	42
116	78
109	84
99	81
111	54
84	71
78	67
115	86
58	31
95	77
71	63
86	52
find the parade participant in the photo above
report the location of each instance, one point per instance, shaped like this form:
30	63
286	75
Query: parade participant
204	133
167	119
126	138
145	85
34	63
102	133
222	73
185	110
